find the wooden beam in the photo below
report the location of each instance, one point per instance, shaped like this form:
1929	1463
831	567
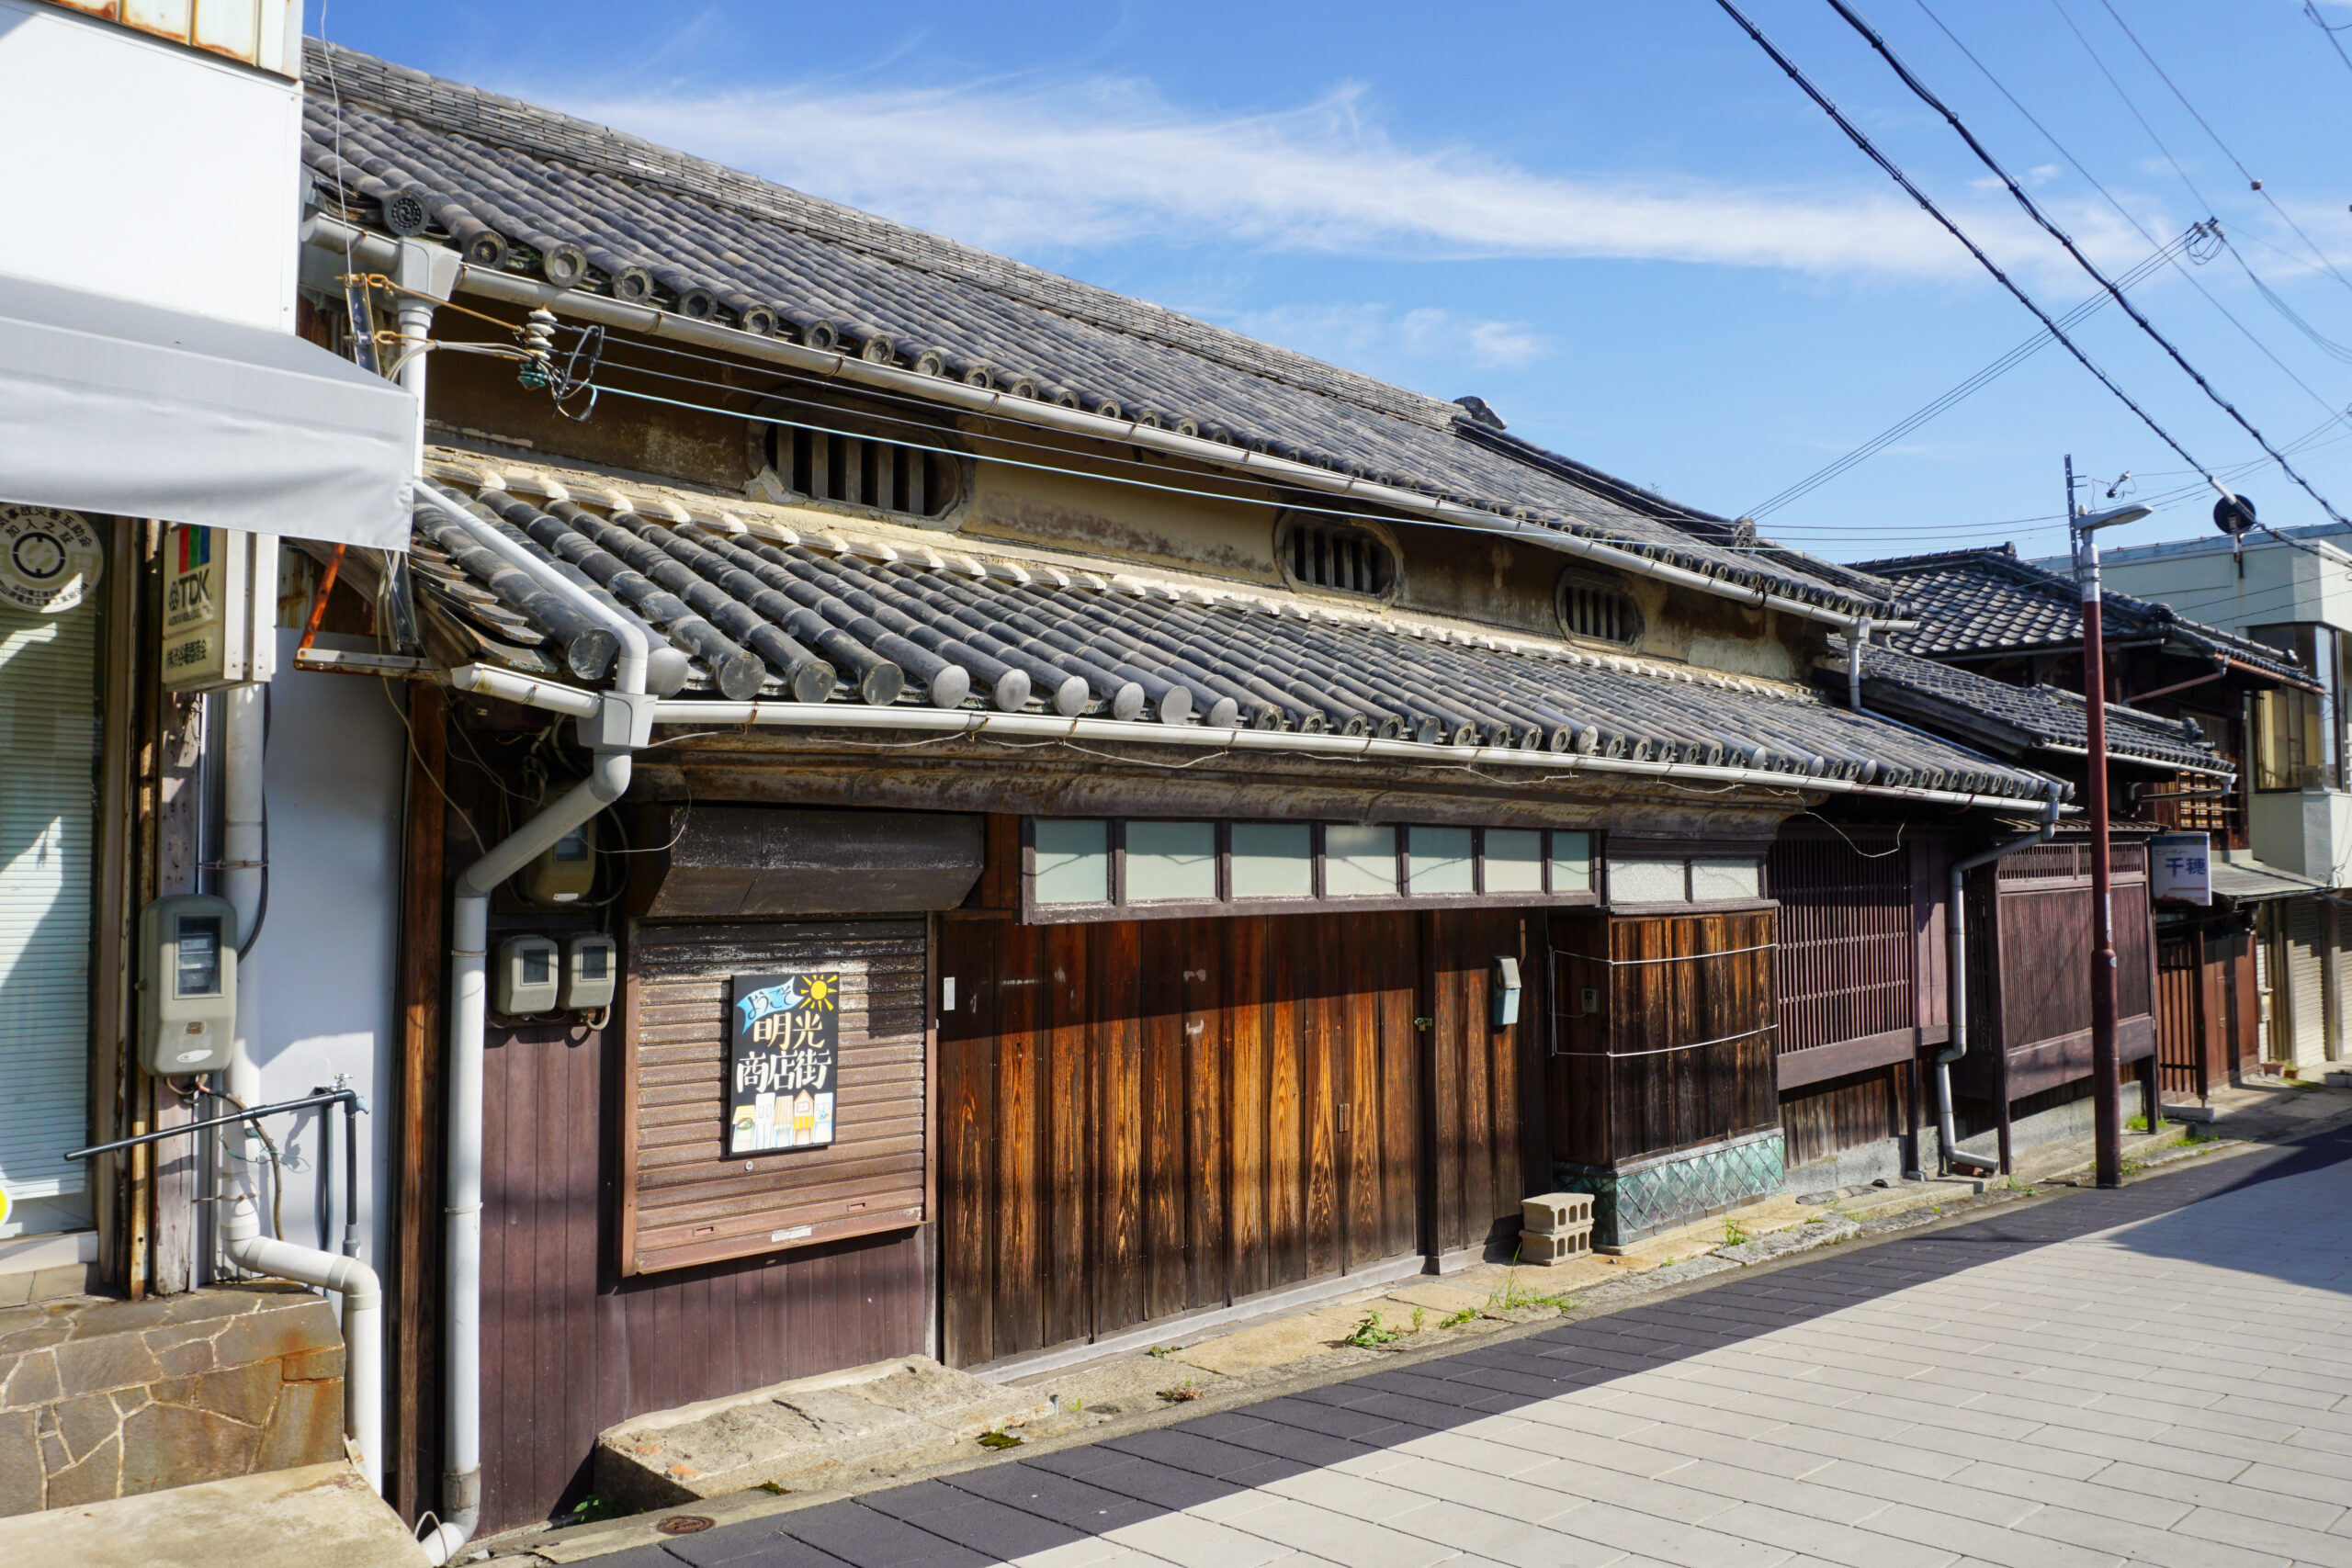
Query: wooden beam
416	1176
1818	1064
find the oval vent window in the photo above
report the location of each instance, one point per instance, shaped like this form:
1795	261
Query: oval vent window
1599	611
1346	560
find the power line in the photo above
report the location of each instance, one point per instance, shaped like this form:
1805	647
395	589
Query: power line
1958	394
2210	226
2033	210
1869	150
2254	183
2313	12
2325	345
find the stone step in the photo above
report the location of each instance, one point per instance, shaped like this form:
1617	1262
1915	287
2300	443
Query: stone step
278	1518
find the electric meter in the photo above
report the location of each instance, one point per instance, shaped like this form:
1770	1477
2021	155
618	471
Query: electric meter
187	984
527	979
590	968
565	872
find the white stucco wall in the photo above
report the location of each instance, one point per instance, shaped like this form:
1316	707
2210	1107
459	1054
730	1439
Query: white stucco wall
147	169
327	958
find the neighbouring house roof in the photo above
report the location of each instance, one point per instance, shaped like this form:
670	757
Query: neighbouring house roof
2018	720
1987	601
528	190
786	603
2254	882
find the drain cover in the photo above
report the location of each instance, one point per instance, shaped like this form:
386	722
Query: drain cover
683	1524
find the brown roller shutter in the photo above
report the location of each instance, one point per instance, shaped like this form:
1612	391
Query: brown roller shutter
684	1201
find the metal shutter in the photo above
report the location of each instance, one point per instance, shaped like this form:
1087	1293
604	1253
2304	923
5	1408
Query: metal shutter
2306	1037
49	735
684	1201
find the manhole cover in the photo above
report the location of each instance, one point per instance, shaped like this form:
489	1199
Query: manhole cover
683	1524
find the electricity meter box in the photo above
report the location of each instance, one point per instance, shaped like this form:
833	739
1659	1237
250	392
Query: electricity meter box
187	984
565	872
591	965
528	976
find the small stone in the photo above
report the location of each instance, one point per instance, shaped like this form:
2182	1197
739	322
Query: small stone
243	1393
305	1426
33	1379
21	1469
326	1363
173	1444
276	1332
94	1480
94	1366
86	1422
182	1354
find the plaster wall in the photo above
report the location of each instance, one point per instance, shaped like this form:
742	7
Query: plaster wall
120	143
2278	583
2307	832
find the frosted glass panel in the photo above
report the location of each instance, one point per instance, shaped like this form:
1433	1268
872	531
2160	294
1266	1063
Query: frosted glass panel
1073	860
1273	860
1572	862
1170	860
1646	882
1359	863
1725	879
1514	860
1441	860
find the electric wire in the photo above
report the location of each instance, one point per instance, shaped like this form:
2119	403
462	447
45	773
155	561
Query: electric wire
2210	229
2255	185
2311	11
1869	149
2033	210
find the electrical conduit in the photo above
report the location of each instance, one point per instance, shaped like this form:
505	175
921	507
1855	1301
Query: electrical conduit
621	721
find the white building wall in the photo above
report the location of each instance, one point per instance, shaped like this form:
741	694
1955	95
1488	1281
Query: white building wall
328	955
147	169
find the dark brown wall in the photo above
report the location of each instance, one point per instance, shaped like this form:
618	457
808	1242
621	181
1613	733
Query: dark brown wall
569	1348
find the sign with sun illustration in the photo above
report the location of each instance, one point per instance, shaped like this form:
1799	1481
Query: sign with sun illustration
784	1050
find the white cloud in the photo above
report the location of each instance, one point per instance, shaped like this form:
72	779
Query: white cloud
1381	334
1103	161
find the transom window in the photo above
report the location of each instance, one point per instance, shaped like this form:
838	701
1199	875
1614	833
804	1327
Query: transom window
1081	868
861	472
1346	560
1599	611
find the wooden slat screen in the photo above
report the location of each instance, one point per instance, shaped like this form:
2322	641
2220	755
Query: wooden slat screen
1848	952
684	1201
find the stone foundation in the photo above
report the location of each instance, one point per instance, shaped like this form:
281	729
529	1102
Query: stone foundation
102	1399
1643	1197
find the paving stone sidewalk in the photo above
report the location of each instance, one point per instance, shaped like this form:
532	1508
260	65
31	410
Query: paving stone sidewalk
2162	1375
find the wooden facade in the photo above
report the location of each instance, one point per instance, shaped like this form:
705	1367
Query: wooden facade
1146	1119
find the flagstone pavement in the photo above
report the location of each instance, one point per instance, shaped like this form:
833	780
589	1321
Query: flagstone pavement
2160	1375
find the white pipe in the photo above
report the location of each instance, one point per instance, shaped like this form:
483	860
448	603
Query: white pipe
1857	638
1956	946
241	1242
651	322
629	672
611	726
557	698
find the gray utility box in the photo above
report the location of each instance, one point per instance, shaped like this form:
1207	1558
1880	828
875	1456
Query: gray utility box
188	985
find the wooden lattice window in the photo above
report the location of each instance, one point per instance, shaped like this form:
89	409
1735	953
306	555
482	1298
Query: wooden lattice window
1599	611
856	470
1848	956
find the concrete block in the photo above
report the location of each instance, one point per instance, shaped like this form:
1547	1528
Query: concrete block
1555	1212
295	1519
1556	1247
2201	1114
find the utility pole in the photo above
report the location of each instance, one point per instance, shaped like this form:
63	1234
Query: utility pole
2107	1103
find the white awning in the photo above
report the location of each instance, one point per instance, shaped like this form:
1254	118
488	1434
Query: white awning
112	406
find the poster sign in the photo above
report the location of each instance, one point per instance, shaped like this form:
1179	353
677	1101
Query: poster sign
783	1061
2179	867
50	560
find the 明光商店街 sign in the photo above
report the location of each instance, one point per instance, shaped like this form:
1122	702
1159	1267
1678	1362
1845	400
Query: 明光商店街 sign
783	1061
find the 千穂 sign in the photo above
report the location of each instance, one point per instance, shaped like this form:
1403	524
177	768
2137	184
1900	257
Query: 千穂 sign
2179	868
784	1049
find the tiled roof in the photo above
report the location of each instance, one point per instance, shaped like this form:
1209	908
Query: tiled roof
1987	601
2017	719
764	609
531	191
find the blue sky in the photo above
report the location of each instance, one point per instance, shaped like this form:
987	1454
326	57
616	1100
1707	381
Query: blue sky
1618	223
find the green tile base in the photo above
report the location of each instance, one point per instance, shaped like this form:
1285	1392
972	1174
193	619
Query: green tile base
1643	1197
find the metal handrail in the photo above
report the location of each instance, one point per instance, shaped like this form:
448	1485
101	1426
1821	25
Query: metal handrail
345	1096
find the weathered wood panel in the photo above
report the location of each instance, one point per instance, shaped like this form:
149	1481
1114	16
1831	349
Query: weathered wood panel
570	1347
2180	1014
684	1199
1823	1118
1148	1117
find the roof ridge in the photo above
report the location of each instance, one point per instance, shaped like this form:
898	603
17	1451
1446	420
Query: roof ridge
437	100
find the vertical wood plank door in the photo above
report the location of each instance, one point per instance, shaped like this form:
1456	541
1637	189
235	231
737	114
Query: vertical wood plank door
2181	1015
1146	1119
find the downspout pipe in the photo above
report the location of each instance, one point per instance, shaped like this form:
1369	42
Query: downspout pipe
621	722
1856	641
1956	936
241	1242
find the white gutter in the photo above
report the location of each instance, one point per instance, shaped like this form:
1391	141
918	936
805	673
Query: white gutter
554	697
611	725
241	1242
646	320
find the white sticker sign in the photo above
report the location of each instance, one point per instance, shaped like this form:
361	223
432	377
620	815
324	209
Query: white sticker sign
2180	867
50	560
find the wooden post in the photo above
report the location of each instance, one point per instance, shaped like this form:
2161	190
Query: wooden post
416	1178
